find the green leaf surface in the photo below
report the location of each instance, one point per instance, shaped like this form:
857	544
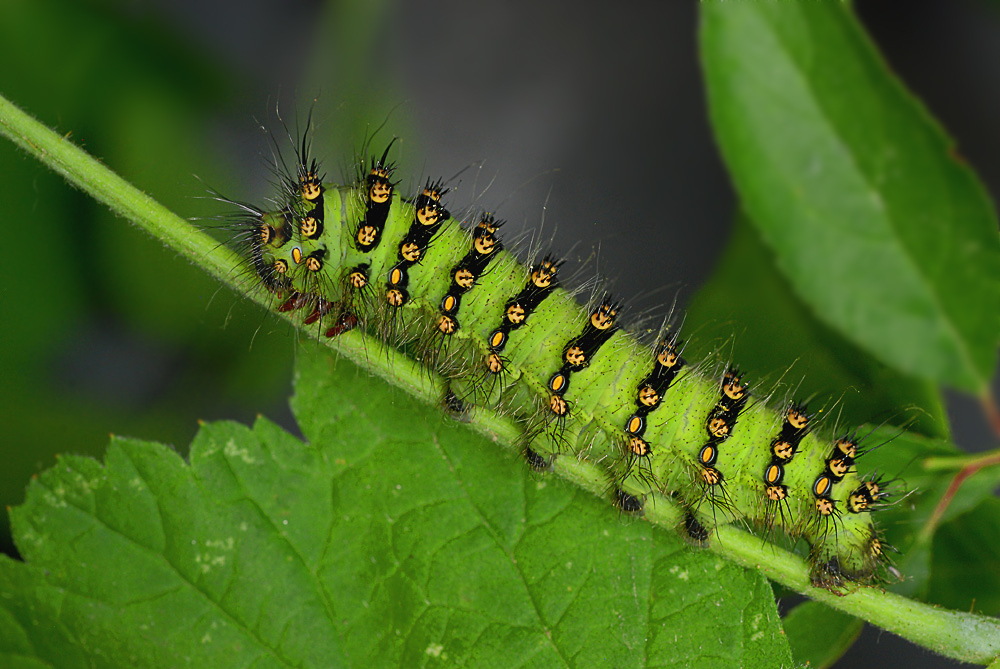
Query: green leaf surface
877	223
818	635
748	310
391	538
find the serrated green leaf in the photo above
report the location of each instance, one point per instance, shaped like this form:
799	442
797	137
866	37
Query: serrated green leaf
390	538
879	226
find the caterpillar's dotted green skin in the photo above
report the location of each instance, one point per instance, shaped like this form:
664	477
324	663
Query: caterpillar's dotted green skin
506	334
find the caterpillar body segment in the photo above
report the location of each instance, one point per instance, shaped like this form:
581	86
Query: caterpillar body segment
508	334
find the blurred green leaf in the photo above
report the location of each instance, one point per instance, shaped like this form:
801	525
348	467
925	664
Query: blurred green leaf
113	332
818	635
917	490
878	224
965	561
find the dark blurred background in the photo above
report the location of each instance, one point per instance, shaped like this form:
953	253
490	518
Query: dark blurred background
591	122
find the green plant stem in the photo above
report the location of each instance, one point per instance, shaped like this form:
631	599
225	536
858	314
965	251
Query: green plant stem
963	636
953	463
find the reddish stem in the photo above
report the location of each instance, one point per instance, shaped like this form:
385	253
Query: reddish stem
956	483
992	412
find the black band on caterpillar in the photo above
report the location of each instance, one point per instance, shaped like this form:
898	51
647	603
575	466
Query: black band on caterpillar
783	449
578	352
378	198
428	214
628	503
542	281
667	362
485	245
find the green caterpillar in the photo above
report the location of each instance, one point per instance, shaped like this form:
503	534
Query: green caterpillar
508	337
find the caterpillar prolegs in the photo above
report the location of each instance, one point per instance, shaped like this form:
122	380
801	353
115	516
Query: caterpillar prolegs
508	336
